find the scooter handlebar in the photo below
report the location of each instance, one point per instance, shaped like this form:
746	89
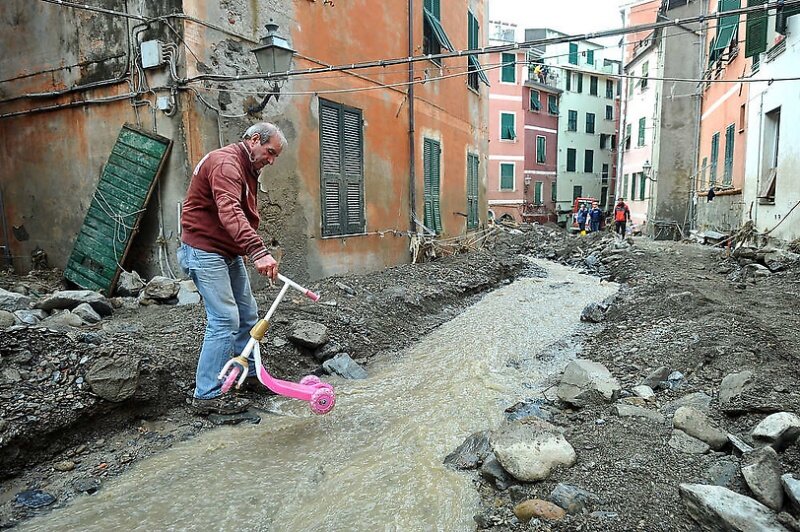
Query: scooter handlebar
313	296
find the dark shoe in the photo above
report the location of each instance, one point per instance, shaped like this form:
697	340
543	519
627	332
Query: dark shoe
253	385
223	404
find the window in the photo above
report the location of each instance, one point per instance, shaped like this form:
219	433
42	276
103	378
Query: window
538	188
431	155
506	176
475	73
769	164
727	176
580	82
590	122
341	146
572	121
603	141
472	191
645	74
553	191
508	127
593	85
624	188
572	155
552	104
633	186
613	142
536	104
590	57
609	89
712	177
588	161
541	149
628	136
508	73
568	76
573	53
604	173
577	192
434	38
609	112
742	117
703	174
642	184
603	196
642	124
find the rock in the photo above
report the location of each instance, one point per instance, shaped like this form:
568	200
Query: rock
739	444
30	317
527	510
235	419
471	452
680	441
624	410
85	312
676	379
778	260
696	424
657	377
86	485
592	261
34	499
492	471
69	299
718	508
130	284
699	401
344	366
529	449
573	499
11	375
592	313
62	321
733	385
187	293
7	319
160	289
787	520
346	289
792	488
762	472
308	334
64	466
528	408
644	391
327	351
11	301
114	380
779	429
584	381
722	473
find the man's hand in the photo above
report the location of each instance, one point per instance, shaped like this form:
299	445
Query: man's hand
268	266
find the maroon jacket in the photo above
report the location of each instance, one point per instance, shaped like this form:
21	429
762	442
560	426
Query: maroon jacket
220	213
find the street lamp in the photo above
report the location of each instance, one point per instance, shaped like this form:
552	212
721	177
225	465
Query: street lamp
647	168
273	55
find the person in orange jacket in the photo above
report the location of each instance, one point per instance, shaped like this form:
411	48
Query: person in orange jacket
622	215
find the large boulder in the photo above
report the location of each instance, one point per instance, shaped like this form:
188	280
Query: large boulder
114	379
680	441
7	319
697	425
129	284
344	366
585	381
69	299
592	313
85	312
529	449
718	508
62	321
778	429
762	472
698	400
29	317
160	289
792	488
11	301
308	333
733	385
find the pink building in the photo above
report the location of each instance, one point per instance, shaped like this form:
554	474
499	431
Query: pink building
541	150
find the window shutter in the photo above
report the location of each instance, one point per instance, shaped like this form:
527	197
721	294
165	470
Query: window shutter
580	82
436	186
569	80
571	156
757	28
332	179
431	156
535	103
472	191
353	171
573	53
714	158
426	156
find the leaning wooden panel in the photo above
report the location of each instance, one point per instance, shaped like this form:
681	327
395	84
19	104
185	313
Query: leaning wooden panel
117	206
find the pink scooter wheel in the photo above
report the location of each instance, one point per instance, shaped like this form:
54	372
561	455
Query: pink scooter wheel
309	380
230	379
322	400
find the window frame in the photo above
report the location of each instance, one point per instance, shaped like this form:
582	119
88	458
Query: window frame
592	123
513	176
541	155
641	140
594	82
508	66
572	125
574	153
513	126
588	162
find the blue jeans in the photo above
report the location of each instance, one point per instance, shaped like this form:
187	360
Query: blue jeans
595	225
231	312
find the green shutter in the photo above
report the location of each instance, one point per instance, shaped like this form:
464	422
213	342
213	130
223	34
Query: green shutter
593	85
353	161
472	191
432	186
535	103
506	176
331	168
541	149
590	57
573	53
642	184
552	104
590	122
757	29
609	89
572	155
116	209
726	26
572	122
434	7
633	186
580	82
507	127
729	141
714	158
642	126
588	162
508	73
569	79
537	192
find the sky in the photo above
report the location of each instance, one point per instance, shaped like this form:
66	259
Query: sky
569	16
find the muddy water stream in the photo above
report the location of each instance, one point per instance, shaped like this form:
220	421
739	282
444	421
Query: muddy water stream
375	462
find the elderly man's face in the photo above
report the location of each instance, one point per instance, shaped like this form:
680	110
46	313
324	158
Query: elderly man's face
264	154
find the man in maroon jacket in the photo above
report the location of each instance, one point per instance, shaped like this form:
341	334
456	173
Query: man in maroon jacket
219	222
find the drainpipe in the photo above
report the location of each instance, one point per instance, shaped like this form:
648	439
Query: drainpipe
6	239
701	57
611	198
412	164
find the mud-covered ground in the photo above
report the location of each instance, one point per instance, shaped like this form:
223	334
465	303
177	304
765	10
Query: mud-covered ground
682	305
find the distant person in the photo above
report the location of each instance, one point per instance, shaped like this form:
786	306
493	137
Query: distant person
712	191
595	217
622	215
583	216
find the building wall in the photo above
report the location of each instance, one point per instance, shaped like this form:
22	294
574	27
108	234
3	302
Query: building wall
635	14
541	124
778	217
290	204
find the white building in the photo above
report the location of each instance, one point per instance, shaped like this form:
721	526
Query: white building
772	167
588	116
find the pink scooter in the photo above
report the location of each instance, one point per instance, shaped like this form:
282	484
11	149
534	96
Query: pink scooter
320	395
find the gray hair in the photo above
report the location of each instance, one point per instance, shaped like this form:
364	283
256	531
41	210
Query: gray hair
265	131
